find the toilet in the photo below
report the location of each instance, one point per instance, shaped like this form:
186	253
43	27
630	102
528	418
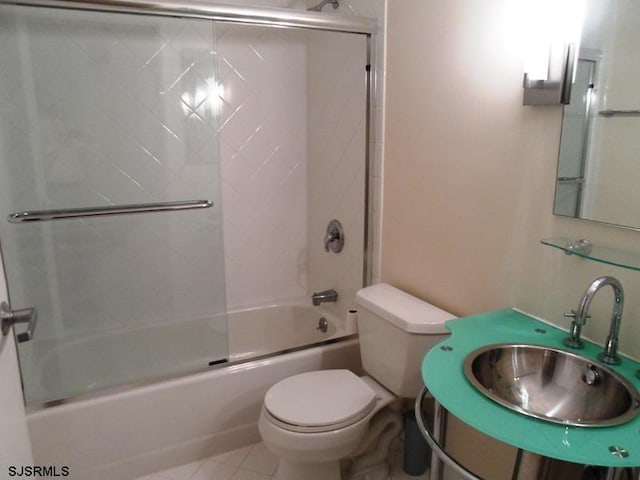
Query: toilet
334	425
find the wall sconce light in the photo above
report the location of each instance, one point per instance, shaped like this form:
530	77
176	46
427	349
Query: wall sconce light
552	43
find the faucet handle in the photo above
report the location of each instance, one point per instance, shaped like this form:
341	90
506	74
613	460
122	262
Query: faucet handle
334	237
573	314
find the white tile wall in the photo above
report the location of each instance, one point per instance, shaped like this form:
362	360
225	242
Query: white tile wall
263	133
336	167
376	9
251	278
329	97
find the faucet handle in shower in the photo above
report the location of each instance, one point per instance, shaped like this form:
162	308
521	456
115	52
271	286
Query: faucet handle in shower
334	237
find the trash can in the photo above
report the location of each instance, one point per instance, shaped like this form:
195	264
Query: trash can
416	450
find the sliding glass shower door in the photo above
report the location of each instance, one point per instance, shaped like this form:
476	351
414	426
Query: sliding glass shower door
110	110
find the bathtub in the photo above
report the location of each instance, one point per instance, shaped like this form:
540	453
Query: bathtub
128	432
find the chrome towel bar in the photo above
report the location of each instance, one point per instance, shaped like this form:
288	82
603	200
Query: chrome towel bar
45	215
613	113
570	179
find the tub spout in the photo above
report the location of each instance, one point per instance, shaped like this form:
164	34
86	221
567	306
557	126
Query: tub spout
324	296
320	6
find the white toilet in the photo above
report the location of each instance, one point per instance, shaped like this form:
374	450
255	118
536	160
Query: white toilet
332	424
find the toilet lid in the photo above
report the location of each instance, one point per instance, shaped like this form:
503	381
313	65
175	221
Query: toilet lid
320	398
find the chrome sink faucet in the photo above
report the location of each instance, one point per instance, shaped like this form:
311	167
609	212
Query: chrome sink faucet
324	296
610	354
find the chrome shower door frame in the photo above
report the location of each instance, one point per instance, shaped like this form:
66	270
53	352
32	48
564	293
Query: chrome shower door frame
264	17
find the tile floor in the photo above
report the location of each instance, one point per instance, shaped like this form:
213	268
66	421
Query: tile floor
253	462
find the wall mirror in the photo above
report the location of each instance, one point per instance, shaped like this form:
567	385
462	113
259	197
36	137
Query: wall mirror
599	162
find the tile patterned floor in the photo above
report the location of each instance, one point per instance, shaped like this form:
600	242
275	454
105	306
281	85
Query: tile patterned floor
253	462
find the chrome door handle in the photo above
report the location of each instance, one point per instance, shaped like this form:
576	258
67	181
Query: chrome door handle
10	317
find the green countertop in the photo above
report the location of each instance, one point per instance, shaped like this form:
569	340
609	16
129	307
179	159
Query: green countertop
443	374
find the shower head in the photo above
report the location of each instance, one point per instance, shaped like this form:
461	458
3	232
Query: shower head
320	6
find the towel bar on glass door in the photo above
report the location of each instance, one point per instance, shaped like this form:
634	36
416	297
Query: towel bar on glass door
45	215
614	113
570	179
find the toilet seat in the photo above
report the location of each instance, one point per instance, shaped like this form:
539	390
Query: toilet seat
319	401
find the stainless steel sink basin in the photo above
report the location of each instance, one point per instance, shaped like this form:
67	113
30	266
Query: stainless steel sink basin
552	385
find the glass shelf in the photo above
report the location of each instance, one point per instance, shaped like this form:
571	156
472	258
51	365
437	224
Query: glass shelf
610	256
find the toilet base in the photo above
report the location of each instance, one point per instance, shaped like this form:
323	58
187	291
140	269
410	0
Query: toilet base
353	451
308	471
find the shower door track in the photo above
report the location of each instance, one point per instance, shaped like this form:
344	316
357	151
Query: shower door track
278	17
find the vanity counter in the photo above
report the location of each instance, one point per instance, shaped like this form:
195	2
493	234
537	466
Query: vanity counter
443	374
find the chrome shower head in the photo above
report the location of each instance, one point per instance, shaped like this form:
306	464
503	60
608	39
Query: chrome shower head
320	6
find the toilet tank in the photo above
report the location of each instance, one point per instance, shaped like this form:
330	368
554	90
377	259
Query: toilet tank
396	330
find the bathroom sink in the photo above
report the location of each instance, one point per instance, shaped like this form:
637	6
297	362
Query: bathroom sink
552	385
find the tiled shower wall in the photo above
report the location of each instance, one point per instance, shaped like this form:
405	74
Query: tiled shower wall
293	141
336	187
263	139
375	9
263	180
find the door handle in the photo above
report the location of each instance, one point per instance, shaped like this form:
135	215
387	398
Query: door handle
10	317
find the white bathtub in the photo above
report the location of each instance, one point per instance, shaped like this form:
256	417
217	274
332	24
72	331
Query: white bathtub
134	431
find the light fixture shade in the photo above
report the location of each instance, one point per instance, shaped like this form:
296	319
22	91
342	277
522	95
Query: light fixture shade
552	30
556	87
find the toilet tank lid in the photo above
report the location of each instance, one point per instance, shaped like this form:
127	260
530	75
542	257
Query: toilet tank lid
403	310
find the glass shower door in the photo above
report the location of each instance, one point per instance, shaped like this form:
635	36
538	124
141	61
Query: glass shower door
98	110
